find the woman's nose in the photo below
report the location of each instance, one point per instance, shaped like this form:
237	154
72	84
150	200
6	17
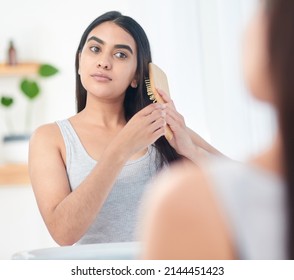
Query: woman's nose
104	63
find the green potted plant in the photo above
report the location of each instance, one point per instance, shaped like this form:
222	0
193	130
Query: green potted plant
15	145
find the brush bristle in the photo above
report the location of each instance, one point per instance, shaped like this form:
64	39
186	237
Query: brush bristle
149	91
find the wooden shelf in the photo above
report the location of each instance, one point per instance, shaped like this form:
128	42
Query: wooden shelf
14	174
19	69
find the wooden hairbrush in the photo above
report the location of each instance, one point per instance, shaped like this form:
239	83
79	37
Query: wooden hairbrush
157	79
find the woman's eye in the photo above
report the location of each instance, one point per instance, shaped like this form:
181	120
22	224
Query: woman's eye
95	49
121	55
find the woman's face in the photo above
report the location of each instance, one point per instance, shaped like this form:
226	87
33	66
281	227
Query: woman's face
108	62
256	59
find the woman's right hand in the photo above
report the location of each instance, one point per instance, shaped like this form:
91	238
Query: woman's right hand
143	129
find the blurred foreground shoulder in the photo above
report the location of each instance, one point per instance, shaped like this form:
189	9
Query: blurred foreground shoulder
183	220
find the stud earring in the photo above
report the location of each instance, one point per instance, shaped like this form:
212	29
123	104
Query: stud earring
134	84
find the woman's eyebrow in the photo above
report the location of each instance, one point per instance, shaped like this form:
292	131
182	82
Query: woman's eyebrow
96	39
122	46
117	46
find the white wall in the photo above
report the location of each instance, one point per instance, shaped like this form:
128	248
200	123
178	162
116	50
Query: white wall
238	125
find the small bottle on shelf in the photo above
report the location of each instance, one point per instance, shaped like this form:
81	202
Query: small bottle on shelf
12	54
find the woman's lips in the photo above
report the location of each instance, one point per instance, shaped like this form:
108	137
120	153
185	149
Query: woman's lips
101	77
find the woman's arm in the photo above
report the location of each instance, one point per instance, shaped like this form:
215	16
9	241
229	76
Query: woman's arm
185	141
181	219
68	214
203	146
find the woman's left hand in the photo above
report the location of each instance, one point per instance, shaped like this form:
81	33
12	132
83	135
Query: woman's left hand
181	140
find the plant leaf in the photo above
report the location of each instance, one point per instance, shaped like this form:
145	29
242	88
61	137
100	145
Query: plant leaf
30	88
47	70
6	101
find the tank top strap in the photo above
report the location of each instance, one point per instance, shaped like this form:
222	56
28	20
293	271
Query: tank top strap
74	148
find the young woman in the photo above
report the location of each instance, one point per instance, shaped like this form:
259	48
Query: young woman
89	171
228	210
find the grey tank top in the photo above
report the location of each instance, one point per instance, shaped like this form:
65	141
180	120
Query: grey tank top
254	203
116	221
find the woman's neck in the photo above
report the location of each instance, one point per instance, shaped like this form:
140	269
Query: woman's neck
104	114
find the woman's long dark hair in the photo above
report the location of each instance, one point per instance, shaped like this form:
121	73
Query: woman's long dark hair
281	48
135	98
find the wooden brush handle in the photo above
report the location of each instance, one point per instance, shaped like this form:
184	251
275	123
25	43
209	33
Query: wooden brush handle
168	132
158	80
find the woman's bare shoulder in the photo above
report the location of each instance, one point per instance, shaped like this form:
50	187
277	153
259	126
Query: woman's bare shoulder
47	133
46	143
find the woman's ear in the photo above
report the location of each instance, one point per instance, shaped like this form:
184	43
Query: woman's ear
255	61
